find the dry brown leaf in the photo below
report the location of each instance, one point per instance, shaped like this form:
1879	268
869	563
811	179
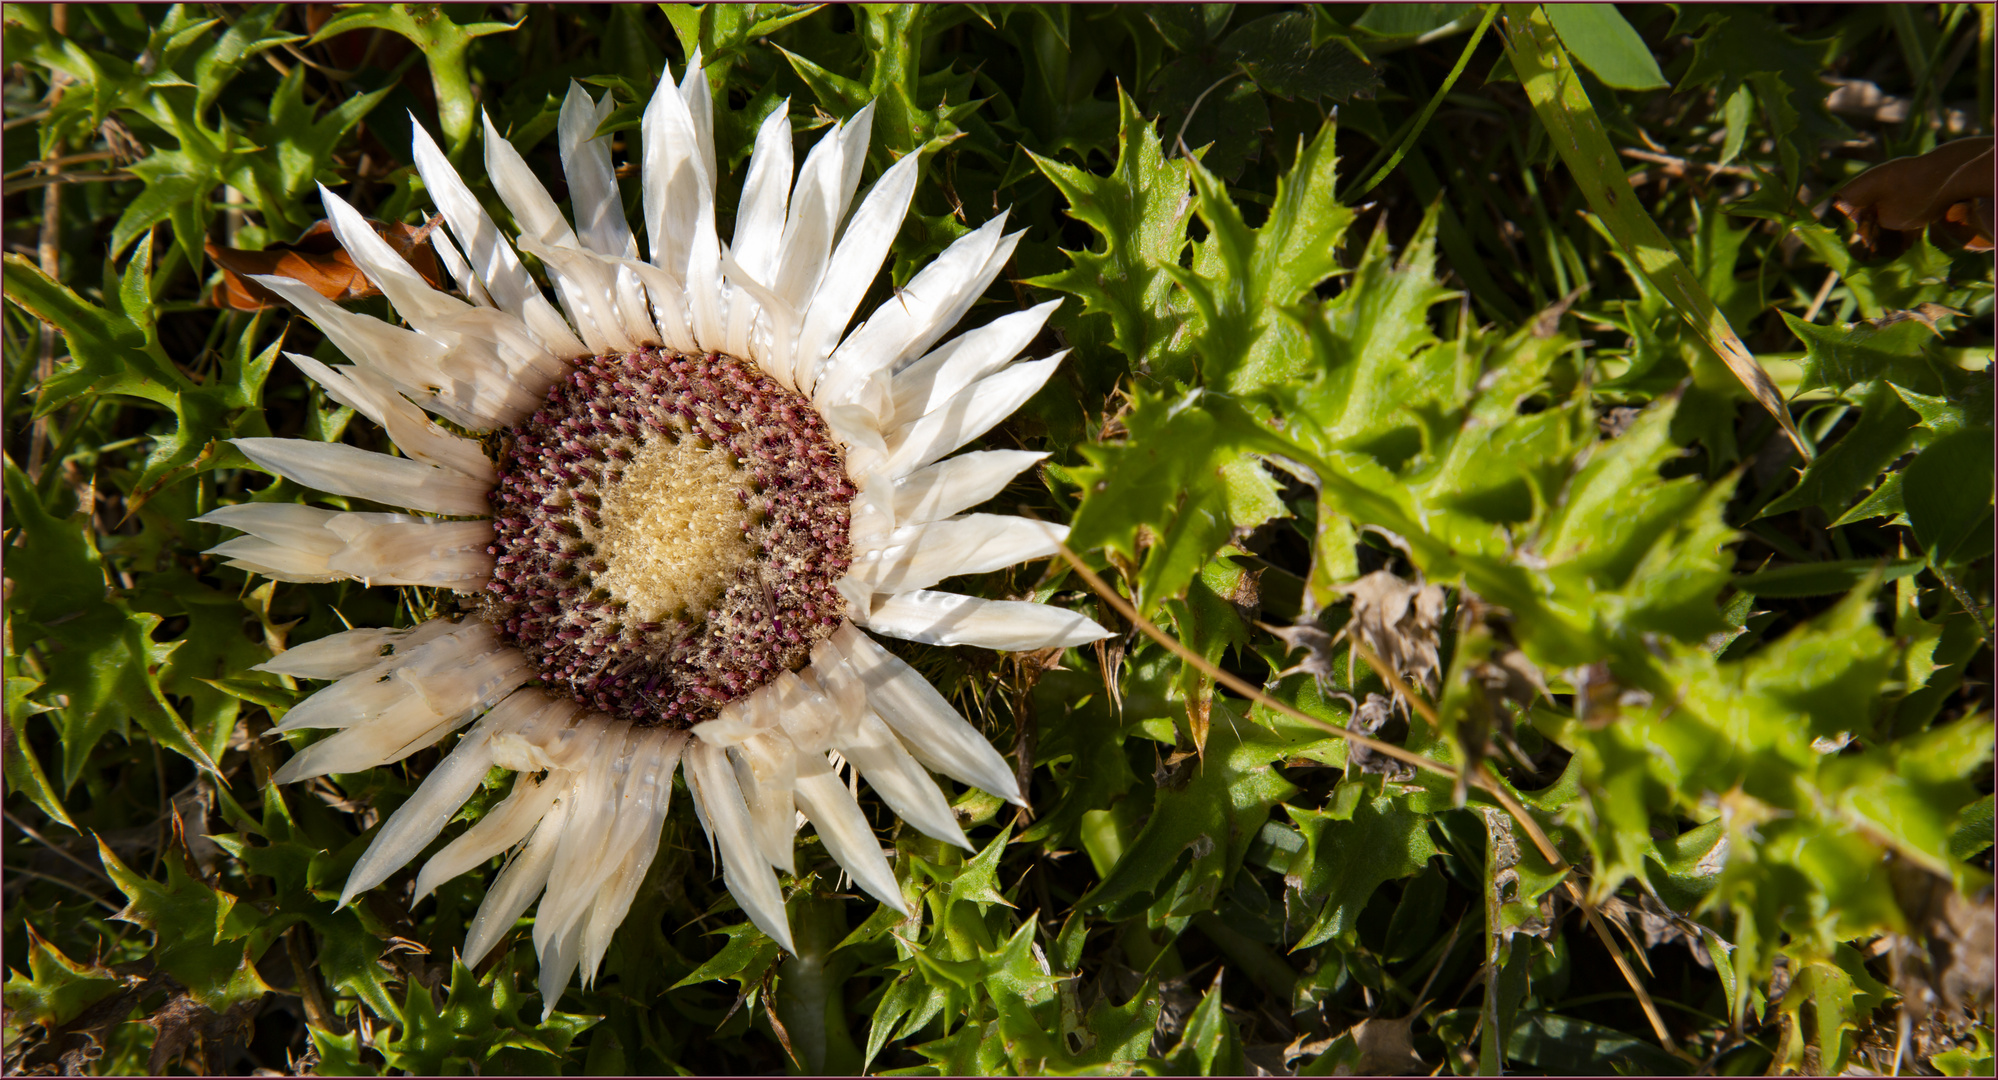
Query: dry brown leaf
318	260
1372	717
1386	1048
1973	216
1317	645
184	1028
1952	183
1925	313
1398	621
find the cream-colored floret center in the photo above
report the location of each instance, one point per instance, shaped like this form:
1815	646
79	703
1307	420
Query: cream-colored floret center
673	528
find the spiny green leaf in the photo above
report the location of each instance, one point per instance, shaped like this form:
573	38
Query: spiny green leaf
206	941
110	352
339	1055
722	30
743	960
976	880
1975	832
1839	358
1348	856
23	765
443	41
1209	624
1371	349
478	1018
1840	992
1969	408
1241	278
1277	52
1140	213
1210	1044
219	64
1014	975
1199	833
56	989
1886	429
303	143
1176	474
1947	491
100	661
1747	46
1599	526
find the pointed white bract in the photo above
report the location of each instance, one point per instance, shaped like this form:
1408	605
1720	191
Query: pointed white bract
387	715
581	827
503	826
923	386
957	484
492	258
342	654
918	556
350	470
726	820
889	769
417	822
586	164
933	731
941	618
844	830
302	543
966	415
373	396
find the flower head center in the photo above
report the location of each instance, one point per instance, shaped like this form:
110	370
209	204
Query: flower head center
668	531
672	529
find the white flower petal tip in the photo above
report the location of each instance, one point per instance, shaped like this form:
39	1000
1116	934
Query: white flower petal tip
407	702
303	543
896	776
928	726
363	474
969	413
421	819
726	818
918	556
941	618
372	395
845	832
957	484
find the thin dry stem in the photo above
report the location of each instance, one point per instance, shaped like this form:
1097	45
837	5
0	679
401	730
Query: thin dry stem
48	252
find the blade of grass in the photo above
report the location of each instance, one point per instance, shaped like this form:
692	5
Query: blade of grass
1555	89
1435	99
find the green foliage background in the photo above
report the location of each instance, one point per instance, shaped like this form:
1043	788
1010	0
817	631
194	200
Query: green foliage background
1334	308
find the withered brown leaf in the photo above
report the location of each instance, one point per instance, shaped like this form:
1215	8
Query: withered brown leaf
318	260
1952	183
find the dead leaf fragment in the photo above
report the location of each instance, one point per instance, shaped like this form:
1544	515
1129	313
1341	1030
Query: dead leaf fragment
1952	183
184	1028
1399	622
1369	719
1925	313
1387	1048
1317	645
318	260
